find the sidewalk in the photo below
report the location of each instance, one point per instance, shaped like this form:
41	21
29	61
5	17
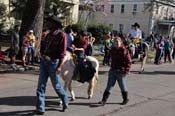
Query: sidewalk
7	68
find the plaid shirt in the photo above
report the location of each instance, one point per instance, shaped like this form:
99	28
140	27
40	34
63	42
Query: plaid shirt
54	46
121	60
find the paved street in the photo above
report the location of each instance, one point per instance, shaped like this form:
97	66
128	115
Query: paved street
151	94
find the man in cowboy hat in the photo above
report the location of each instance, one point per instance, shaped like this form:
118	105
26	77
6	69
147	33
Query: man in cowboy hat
55	20
53	50
136	33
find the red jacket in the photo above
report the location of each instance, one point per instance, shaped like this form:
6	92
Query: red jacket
121	60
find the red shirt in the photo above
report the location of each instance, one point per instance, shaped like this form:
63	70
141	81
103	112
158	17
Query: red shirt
121	60
25	41
54	46
80	43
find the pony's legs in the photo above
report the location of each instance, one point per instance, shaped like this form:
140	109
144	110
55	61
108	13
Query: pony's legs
71	91
143	64
91	86
68	85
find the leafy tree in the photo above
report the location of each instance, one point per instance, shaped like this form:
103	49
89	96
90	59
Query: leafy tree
60	9
52	7
3	13
57	7
99	31
3	9
78	27
33	19
18	7
32	13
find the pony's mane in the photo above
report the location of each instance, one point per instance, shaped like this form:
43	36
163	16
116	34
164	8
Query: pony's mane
68	56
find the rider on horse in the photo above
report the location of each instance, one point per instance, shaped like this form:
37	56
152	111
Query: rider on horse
135	35
79	46
135	32
140	48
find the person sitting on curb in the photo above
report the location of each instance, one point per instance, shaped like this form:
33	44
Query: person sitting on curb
2	57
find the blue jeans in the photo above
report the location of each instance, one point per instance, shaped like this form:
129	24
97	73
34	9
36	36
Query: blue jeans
48	69
106	59
31	54
114	76
81	57
159	54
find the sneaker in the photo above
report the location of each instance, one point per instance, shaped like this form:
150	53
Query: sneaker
65	108
14	67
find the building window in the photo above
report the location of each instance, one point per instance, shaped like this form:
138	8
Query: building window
112	8
134	9
122	8
111	25
121	27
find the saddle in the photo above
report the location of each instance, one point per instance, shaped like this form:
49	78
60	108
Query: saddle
75	58
136	41
84	74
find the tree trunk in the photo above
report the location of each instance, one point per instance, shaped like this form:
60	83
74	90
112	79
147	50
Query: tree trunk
33	19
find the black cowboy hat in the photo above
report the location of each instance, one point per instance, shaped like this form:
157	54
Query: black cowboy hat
54	20
136	25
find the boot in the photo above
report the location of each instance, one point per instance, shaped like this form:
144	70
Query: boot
125	98
105	98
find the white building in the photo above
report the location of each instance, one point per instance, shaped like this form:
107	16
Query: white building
73	10
121	14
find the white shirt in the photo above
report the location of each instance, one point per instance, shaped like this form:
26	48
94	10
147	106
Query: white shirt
136	33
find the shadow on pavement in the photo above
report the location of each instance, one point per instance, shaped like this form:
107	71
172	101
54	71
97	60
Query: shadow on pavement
27	101
93	105
52	104
18	101
155	72
82	98
18	113
102	72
